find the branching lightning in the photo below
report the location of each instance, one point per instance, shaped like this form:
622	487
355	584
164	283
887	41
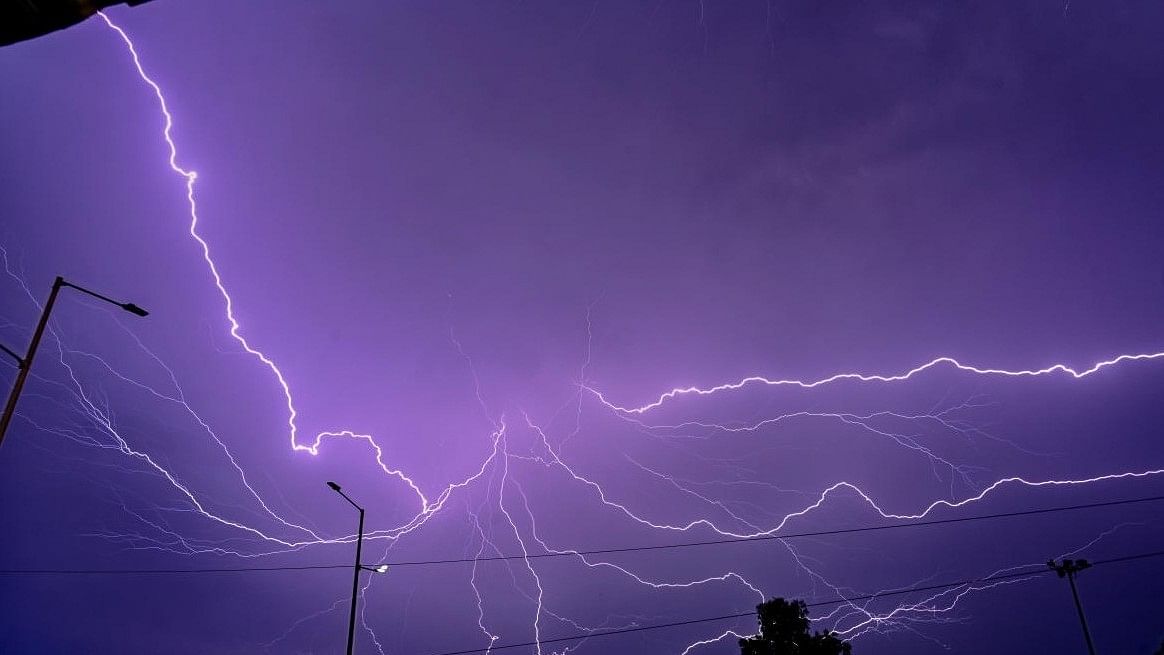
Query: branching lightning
873	377
499	480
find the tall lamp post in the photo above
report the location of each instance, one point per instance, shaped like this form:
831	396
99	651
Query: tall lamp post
383	568
24	364
1069	569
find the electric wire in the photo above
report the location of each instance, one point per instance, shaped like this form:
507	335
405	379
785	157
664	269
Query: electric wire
248	569
792	535
837	601
601	551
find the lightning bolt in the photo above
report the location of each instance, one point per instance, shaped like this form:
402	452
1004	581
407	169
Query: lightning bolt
872	377
849	619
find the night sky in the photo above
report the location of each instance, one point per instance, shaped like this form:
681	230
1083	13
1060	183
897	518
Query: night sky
482	241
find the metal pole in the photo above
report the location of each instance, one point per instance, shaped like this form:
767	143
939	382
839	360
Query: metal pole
356	584
1079	607
26	363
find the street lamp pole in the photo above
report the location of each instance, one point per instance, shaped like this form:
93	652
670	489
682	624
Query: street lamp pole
24	364
1069	569
357	568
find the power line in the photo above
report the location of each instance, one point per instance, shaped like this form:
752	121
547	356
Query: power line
1128	558
793	535
154	571
606	633
658	626
603	551
711	619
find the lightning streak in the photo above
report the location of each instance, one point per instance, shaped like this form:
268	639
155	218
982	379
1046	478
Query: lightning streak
850	620
190	177
537	624
824	495
870	377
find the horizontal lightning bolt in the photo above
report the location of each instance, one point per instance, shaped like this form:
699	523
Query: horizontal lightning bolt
866	377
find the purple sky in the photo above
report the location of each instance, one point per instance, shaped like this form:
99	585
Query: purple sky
451	226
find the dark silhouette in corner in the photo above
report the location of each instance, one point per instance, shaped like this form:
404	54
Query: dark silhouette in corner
21	20
784	630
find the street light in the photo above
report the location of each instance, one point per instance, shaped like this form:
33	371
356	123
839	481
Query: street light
1069	569
24	364
383	568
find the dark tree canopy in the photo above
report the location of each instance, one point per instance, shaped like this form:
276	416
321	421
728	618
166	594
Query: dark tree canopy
784	630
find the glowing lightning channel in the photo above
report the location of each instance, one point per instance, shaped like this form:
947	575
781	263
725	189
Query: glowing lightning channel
828	492
537	623
428	508
191	177
713	640
500	456
865	377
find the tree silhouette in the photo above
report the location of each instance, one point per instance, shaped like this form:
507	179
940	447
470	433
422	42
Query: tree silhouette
784	631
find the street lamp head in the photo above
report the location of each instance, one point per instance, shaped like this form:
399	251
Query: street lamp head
333	485
134	309
383	568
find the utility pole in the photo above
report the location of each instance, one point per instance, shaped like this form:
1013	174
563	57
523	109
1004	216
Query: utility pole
24	364
355	585
1069	569
383	568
